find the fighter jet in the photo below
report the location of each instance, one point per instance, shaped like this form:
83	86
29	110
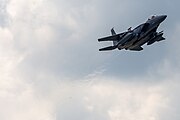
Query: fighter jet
134	39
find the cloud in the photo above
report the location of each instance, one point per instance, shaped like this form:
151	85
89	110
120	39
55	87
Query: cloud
109	98
51	68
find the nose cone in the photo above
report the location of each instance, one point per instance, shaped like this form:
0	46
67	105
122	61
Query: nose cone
162	18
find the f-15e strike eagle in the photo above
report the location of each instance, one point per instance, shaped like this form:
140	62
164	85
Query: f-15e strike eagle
134	39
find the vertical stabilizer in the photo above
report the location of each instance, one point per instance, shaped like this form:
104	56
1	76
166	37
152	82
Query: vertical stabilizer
115	42
113	32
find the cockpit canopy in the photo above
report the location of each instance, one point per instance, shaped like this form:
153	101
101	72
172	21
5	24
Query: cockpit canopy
151	17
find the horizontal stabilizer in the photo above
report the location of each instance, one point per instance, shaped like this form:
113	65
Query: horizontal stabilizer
108	48
109	38
114	37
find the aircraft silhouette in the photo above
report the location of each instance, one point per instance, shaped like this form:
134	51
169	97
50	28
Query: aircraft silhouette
134	39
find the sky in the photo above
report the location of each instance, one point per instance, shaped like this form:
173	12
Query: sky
51	69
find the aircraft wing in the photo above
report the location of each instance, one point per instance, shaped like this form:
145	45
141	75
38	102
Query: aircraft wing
112	38
137	48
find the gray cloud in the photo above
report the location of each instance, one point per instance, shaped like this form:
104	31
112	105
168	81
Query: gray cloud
51	67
